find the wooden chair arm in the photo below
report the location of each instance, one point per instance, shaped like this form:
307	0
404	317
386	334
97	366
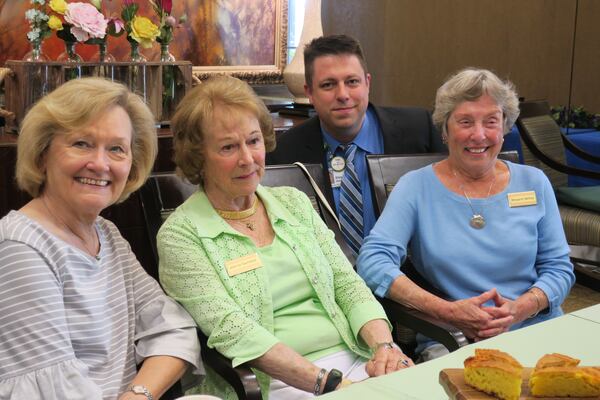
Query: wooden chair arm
451	337
241	378
551	162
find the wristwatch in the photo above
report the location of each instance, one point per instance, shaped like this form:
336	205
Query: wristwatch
141	389
334	378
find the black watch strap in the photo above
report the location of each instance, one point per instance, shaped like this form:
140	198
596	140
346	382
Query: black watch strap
333	380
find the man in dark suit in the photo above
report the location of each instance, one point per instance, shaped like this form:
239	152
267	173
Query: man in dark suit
337	85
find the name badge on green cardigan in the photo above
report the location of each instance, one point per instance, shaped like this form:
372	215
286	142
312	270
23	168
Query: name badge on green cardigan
243	264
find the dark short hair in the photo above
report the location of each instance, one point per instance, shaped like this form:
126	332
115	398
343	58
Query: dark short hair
328	46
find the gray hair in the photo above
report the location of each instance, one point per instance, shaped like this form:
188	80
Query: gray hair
470	84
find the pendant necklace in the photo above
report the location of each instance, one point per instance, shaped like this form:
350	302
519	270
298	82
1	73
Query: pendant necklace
238	215
477	220
90	251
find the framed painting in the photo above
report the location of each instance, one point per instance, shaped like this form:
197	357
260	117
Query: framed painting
244	38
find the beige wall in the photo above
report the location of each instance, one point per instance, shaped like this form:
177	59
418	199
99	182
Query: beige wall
586	70
412	46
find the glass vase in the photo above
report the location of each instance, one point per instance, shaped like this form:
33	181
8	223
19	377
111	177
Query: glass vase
36	54
103	55
70	55
72	61
165	55
168	83
135	55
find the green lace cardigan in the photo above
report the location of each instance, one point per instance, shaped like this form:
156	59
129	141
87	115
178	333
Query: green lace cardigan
236	312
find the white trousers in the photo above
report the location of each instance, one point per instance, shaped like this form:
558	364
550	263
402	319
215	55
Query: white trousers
351	365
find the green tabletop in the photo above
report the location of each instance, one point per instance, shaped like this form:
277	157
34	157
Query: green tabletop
576	335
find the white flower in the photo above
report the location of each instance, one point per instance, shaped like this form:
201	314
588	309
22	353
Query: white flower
33	35
40	2
30	14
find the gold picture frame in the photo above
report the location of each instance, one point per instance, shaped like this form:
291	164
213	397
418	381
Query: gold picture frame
258	74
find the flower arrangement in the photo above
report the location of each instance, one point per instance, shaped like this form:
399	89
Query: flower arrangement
114	27
140	30
167	21
38	25
82	21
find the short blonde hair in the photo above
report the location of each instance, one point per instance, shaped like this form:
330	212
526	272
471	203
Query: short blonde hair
195	112
72	106
470	84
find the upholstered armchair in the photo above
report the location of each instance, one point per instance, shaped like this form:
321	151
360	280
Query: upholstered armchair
544	147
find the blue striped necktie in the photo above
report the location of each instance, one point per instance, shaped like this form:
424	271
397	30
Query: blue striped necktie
351	202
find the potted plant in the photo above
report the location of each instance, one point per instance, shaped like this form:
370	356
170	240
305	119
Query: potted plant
576	118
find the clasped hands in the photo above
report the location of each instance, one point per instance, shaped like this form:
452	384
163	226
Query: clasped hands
479	322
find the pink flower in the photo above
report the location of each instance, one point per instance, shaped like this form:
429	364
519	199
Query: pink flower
87	22
171	21
118	24
166	5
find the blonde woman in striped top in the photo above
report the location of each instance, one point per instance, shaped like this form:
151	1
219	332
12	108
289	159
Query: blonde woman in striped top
77	311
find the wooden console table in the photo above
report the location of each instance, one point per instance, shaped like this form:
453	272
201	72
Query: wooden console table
161	85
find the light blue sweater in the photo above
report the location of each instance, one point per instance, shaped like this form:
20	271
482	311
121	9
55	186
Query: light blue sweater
519	248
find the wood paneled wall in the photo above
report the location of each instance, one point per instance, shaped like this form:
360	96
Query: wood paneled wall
586	69
412	46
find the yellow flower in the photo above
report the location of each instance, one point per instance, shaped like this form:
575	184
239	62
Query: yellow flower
58	6
55	23
144	31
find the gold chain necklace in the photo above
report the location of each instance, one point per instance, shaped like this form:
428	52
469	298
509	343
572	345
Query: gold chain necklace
93	252
239	215
477	220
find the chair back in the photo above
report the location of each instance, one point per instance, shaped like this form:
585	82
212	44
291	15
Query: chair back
542	140
162	193
386	169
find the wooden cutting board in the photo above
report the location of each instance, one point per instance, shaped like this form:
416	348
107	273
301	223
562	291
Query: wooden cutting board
453	382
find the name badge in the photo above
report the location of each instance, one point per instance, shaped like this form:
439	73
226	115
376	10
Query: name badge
521	199
243	264
337	165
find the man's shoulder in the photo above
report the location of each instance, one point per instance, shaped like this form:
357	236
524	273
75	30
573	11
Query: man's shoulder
311	125
299	143
408	130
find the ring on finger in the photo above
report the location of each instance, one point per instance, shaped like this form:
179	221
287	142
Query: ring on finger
404	362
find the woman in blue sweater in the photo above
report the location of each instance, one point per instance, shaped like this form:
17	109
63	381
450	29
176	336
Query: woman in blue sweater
486	233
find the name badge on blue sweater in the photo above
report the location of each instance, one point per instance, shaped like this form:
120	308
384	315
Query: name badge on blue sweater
521	199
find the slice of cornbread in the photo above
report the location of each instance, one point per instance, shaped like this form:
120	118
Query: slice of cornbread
556	360
494	372
557	375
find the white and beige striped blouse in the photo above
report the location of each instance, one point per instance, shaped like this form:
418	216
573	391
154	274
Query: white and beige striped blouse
72	326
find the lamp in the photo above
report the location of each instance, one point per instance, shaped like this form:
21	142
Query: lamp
293	74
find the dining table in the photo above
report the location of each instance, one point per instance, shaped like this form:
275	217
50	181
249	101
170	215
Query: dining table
576	334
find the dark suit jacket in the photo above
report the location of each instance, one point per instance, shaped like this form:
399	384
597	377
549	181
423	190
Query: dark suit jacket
406	130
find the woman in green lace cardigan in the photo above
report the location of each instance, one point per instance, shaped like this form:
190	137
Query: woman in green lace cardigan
256	267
